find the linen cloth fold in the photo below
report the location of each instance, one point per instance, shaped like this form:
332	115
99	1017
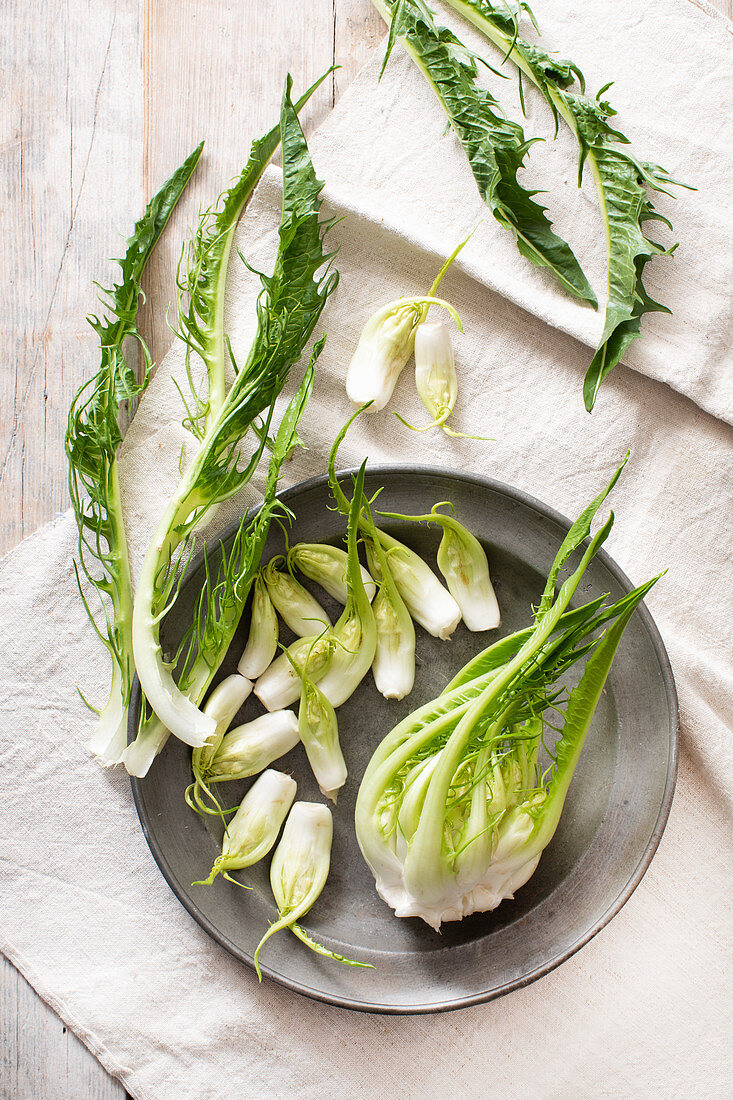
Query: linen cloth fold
84	912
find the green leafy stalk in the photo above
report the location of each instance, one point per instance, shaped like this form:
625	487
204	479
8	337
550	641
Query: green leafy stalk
495	146
622	182
93	436
575	537
454	811
224	595
203	282
355	632
427	601
288	309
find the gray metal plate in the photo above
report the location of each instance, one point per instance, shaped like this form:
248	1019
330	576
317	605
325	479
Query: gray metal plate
613	819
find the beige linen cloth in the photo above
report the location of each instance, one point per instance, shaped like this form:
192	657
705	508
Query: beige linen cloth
84	912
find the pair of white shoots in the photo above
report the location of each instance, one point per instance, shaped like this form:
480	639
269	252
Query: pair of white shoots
389	339
301	861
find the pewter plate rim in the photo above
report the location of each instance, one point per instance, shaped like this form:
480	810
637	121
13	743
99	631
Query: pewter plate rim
482	996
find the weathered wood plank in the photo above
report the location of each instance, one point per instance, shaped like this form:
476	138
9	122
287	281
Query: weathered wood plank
70	184
42	1059
216	71
357	30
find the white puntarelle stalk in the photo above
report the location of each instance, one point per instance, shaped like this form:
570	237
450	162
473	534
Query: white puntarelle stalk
393	667
247	749
140	753
356	639
430	604
253	830
222	705
175	710
462	561
263	633
279	685
355	633
300	865
318	730
326	565
110	733
297	607
301	862
394	659
436	380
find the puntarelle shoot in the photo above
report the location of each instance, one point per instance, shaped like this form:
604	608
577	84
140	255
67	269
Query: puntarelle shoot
244	751
455	808
385	346
253	830
279	684
394	660
429	603
319	734
298	873
297	607
387	341
288	310
92	438
327	566
263	633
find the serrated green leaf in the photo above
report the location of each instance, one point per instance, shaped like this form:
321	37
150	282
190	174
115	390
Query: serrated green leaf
494	145
622	182
92	438
288	309
203	272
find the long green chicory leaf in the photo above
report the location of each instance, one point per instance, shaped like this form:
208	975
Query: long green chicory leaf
203	280
622	182
224	595
494	145
287	312
93	436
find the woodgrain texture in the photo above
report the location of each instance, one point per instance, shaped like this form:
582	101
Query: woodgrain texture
100	101
40	1058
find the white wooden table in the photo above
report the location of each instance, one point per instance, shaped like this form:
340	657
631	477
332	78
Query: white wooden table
102	99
